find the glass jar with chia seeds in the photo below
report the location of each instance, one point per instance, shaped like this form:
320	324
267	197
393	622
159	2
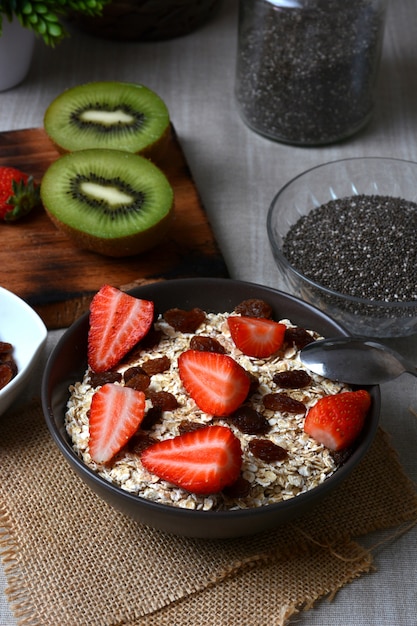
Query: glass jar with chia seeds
307	69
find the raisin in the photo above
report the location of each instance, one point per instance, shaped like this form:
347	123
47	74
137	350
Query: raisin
254	307
249	421
7	363
131	372
206	344
282	402
97	379
6	374
185	321
7	359
140	382
292	379
341	456
239	489
163	400
187	426
254	383
5	348
156	366
152	417
298	336
267	450
138	443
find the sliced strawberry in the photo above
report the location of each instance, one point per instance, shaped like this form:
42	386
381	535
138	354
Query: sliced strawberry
117	322
115	415
257	337
216	382
202	461
336	421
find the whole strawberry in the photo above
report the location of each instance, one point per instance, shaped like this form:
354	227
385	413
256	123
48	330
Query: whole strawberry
19	194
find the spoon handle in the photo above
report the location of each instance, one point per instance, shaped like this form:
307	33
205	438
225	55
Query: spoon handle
409	368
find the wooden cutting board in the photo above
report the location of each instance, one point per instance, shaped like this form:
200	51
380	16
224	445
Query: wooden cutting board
40	264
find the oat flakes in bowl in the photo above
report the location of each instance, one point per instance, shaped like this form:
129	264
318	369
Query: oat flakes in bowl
267	492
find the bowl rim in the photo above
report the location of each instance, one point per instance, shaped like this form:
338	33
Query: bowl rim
62	440
277	251
40	337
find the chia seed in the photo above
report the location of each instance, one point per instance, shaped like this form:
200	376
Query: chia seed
306	71
363	246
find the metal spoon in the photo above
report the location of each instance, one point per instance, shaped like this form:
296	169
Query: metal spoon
355	360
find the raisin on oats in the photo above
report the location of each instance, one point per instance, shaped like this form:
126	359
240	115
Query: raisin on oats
156	366
254	307
249	421
267	450
283	403
206	344
185	321
292	379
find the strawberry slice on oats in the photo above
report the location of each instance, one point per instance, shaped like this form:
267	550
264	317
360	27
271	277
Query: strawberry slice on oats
256	337
216	382
202	461
116	413
336	421
117	322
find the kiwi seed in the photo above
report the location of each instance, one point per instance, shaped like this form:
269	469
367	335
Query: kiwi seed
108	114
112	202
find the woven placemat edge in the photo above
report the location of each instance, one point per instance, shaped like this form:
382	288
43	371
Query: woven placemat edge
15	593
362	556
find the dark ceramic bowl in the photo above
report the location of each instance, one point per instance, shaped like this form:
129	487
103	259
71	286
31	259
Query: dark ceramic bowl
68	362
147	20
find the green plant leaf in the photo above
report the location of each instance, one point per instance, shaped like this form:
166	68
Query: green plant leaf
43	16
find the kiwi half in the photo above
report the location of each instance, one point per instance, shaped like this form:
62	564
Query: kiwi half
112	202
109	114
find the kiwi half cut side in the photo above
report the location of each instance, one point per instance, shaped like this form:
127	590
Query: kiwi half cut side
112	202
108	114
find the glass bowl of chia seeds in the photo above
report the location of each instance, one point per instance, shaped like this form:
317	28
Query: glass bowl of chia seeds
343	235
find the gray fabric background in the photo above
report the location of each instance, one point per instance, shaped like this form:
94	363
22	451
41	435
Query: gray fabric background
237	173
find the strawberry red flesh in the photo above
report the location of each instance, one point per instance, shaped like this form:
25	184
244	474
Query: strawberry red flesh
256	337
216	382
336	421
202	461
116	413
19	194
117	322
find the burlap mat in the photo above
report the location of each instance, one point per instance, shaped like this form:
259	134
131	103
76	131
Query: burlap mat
72	560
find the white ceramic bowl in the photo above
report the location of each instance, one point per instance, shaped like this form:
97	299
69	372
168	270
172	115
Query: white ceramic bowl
21	326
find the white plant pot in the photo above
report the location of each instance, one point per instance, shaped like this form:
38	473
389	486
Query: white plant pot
16	51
